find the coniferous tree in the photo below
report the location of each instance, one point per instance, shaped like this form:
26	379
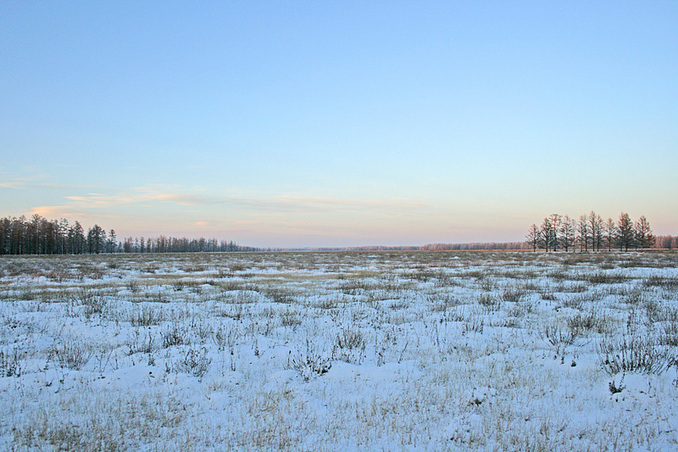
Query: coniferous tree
5	228
39	235
96	239
79	241
643	233
112	242
625	235
63	236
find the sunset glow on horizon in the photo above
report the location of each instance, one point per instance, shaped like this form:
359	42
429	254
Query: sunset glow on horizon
310	125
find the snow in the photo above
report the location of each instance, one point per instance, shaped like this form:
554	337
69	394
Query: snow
338	351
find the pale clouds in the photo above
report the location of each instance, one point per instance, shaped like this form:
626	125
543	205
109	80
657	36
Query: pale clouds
15	182
253	217
33	182
261	204
53	212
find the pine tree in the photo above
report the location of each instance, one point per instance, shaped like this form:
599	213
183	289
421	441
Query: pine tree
112	243
79	242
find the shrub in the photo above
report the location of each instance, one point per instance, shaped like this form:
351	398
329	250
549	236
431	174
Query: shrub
580	323
71	354
604	278
489	301
522	308
311	362
173	336
634	296
290	318
146	316
670	335
93	303
556	335
278	295
194	362
633	353
10	363
178	285
513	294
139	344
474	323
547	294
133	286
350	346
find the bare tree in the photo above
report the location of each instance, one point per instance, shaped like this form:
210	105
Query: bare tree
567	233
600	232
533	236
583	233
666	241
547	233
610	233
595	227
556	221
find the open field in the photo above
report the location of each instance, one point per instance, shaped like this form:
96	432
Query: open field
340	351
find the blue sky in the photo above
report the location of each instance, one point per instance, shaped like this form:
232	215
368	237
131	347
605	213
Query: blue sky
338	123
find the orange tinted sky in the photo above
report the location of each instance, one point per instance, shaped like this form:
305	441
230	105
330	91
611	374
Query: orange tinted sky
303	124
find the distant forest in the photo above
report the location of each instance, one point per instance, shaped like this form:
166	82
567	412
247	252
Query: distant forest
38	235
477	246
662	242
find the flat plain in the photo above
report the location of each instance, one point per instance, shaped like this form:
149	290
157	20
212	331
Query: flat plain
340	351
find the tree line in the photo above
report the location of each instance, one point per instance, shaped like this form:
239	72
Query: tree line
592	233
38	235
476	246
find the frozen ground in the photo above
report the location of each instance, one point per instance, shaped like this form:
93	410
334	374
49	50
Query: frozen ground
340	351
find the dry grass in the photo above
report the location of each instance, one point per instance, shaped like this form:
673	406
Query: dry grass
268	351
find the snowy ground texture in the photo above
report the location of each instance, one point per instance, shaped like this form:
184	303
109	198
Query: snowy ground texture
340	351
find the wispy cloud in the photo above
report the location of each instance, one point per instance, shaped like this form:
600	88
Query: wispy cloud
264	204
33	182
141	195
52	212
16	182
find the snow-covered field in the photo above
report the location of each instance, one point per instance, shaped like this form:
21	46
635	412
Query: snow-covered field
340	351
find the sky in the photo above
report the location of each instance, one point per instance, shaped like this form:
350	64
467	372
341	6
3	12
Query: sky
304	124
